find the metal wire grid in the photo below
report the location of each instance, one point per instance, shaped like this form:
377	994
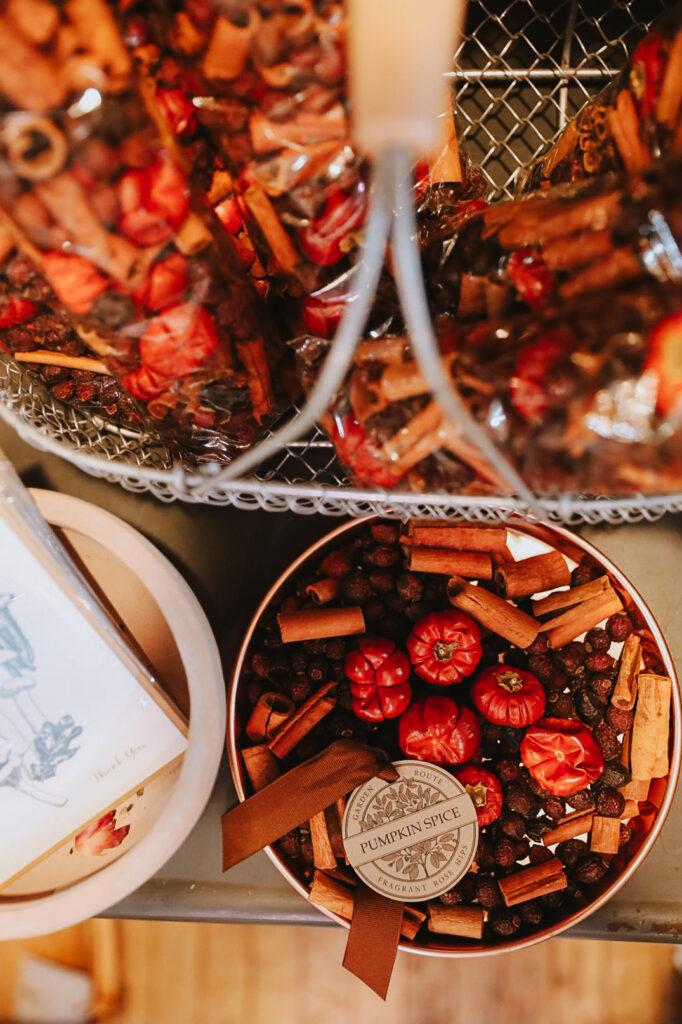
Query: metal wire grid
524	69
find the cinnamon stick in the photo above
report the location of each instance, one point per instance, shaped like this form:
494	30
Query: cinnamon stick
323	855
261	766
670	96
228	48
579	619
405	442
445	165
489	539
651	727
338	898
624	124
323	591
529	883
625	691
576	826
464	921
269	714
334	819
533	575
636	790
575	814
263	213
302	721
493	612
473	564
47	358
320	623
382	350
605	834
28	79
631	810
569	598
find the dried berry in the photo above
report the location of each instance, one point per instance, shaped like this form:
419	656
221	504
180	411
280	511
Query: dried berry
601	662
385	533
409	587
488	892
608	741
581	574
300	689
540	854
451	898
510	740
590	869
553	900
290	844
512	825
601	686
583	800
507	770
356	588
570	851
597	640
382	557
518	798
531	912
618	719
259	664
588	707
614	776
299	662
539	645
318	670
541	665
290	604
434	588
336	648
315	648
610	803
336	564
554	807
417	610
504	853
394	603
373	610
484	854
619	627
504	922
307	854
561	705
381	581
522	847
578	678
466	888
278	671
571	656
625	835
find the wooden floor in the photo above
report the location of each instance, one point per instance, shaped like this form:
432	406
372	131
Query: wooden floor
229	974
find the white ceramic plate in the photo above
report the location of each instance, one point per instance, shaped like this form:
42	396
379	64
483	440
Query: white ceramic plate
157	607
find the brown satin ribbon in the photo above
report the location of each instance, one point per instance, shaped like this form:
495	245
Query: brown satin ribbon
299	794
373	938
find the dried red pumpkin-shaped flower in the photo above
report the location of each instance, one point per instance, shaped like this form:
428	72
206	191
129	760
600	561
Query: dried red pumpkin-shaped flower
509	696
444	647
485	790
379	680
561	755
438	730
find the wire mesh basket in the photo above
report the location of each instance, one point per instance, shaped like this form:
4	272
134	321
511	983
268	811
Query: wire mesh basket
524	70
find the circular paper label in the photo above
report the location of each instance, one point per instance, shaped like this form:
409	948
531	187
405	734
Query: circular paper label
412	839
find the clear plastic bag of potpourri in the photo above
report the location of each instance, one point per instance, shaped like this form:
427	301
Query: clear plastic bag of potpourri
108	252
585	398
636	119
255	93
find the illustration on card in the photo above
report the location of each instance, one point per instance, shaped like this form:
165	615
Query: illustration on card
31	745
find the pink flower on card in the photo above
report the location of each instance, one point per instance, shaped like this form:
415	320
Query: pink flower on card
101	836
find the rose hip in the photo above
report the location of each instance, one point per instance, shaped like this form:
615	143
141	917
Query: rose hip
382	557
336	564
531	912
607	739
570	851
571	656
597	640
512	825
385	533
610	803
504	922
590	869
600	662
381	581
506	769
619	719
601	686
504	853
409	587
619	627
356	588
540	854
